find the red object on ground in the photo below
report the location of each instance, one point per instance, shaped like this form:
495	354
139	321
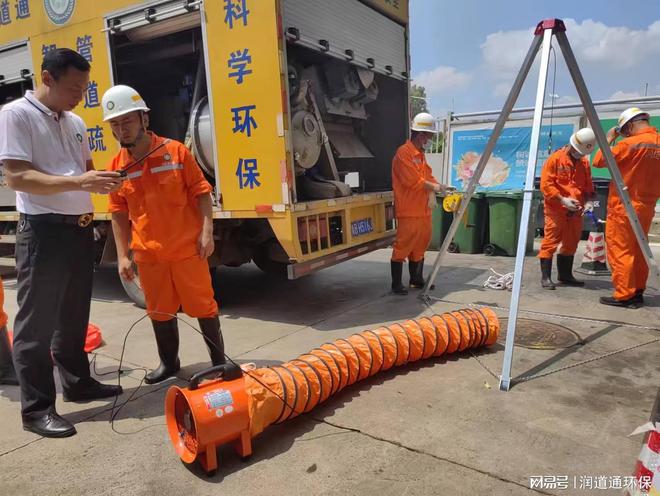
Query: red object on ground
93	340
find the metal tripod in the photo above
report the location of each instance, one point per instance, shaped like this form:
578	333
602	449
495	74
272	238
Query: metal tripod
543	41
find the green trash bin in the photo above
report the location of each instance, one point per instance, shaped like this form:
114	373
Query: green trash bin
441	221
504	212
471	233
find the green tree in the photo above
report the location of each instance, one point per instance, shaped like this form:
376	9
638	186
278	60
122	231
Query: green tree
438	143
418	103
417	99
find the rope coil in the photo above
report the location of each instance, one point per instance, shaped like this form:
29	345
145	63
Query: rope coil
499	281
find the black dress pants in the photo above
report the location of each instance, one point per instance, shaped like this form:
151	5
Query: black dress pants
55	264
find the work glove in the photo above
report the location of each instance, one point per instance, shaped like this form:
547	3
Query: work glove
570	203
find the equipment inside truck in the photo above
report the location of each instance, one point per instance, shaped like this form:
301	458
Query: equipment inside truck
346	124
168	71
15	73
348	114
350	61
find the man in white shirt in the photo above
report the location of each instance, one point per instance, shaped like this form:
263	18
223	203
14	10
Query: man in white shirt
47	161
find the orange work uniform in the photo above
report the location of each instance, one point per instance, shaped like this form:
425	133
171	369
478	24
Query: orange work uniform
160	198
3	315
638	159
410	171
562	175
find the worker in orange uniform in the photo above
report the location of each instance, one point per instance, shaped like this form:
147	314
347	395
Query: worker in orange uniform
568	190
414	191
165	208
638	157
7	372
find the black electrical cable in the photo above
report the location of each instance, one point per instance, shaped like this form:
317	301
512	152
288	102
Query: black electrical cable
116	409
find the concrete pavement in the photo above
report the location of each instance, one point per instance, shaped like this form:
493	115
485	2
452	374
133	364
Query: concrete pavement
436	427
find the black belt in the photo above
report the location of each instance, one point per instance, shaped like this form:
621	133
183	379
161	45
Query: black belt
83	220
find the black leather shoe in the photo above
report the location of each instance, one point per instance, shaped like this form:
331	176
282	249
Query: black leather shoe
94	391
50	425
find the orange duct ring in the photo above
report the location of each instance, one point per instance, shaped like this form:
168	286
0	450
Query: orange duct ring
241	404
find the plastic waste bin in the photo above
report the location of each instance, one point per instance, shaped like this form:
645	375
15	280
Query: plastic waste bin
471	233
602	189
504	212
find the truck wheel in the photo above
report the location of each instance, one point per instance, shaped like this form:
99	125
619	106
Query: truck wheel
269	266
134	289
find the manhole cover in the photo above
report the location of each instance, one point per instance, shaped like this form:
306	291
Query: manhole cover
539	335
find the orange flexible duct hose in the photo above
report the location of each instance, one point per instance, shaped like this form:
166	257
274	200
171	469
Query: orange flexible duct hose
313	377
222	411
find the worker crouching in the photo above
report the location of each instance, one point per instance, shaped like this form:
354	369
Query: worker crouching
414	195
164	207
567	189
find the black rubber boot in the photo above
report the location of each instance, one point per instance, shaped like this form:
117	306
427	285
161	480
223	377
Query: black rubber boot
416	270
633	302
7	372
167	340
546	273
213	339
397	274
565	271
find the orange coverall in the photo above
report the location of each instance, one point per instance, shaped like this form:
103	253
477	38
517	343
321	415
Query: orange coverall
638	159
161	201
3	315
563	176
411	203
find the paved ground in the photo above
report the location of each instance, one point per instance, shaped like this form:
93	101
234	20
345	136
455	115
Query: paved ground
441	427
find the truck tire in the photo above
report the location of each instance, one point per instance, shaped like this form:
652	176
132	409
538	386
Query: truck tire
134	289
271	267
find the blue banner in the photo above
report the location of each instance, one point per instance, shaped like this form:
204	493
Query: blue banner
507	167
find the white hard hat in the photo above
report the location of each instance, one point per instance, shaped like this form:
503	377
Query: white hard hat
584	141
424	122
120	100
629	114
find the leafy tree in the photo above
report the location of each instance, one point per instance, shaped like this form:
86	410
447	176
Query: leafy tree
418	103
417	99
